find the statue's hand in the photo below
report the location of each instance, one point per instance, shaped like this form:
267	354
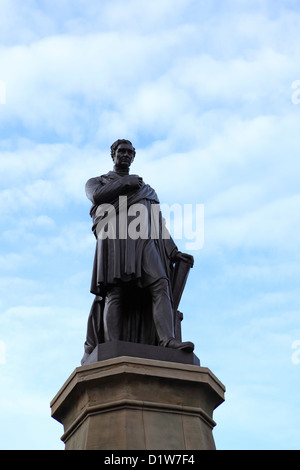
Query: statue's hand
131	182
183	257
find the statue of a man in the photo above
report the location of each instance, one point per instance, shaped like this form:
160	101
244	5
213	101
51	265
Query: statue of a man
132	272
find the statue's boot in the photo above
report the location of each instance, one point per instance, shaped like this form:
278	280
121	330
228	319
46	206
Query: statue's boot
187	346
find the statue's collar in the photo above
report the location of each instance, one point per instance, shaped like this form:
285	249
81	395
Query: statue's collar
121	172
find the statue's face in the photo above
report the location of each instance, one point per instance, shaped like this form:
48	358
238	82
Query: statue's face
124	156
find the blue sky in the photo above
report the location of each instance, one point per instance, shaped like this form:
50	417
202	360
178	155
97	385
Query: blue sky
204	91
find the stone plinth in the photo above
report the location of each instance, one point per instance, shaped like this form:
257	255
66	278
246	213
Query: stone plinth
138	404
123	348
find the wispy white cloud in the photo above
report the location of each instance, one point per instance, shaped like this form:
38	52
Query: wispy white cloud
272	225
82	86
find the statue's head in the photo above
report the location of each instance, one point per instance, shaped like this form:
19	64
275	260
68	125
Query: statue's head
122	153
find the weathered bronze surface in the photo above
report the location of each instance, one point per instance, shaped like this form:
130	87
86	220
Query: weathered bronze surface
138	274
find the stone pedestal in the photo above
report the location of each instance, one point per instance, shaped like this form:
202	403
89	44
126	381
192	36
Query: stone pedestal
145	351
134	403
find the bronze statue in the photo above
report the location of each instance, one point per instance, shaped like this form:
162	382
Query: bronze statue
138	273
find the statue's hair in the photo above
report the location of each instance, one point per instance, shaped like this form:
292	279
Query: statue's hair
116	144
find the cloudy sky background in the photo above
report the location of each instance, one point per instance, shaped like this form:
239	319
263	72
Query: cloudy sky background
204	90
